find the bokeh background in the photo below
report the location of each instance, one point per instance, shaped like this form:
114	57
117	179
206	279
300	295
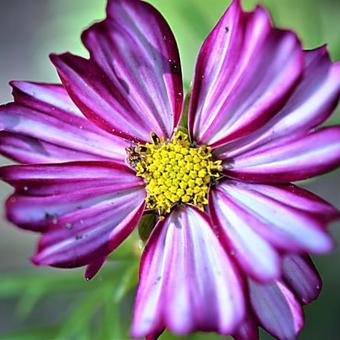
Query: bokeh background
46	304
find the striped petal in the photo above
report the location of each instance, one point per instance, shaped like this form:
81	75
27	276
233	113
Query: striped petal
245	72
289	159
311	104
93	267
44	193
132	83
92	232
298	198
235	228
187	281
275	214
84	209
277	309
248	330
45	126
302	276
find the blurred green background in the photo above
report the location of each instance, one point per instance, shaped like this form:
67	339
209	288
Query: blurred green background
46	304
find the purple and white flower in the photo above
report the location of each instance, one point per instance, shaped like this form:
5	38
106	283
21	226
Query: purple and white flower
257	102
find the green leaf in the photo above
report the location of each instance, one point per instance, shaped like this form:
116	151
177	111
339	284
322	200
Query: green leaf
41	333
184	119
111	324
146	225
79	319
128	281
29	299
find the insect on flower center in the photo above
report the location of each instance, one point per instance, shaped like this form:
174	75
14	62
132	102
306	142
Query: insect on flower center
174	171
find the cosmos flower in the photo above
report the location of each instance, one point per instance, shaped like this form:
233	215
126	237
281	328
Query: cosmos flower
228	252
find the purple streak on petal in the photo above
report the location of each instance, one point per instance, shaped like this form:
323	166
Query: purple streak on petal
31	150
234	225
56	179
248	330
183	267
311	104
147	312
136	37
155	335
132	83
44	97
45	192
51	128
298	198
95	96
296	159
277	309
53	100
245	72
301	275
277	219
91	231
93	267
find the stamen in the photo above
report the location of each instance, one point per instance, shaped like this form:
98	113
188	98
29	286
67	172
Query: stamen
175	171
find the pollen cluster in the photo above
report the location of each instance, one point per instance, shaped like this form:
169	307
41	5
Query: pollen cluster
175	172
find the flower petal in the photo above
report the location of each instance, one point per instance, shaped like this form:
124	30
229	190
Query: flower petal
274	215
277	309
31	150
46	192
94	266
44	97
84	210
132	84
235	228
187	281
245	72
290	159
155	335
302	276
91	232
298	198
311	104
247	331
44	126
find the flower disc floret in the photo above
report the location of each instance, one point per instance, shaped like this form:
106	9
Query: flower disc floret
175	171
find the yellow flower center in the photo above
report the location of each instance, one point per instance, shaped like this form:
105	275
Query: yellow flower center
174	171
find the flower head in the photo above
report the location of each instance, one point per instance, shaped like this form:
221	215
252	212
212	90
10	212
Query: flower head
175	172
98	151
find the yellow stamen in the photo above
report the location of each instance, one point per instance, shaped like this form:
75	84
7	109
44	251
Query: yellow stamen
175	172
